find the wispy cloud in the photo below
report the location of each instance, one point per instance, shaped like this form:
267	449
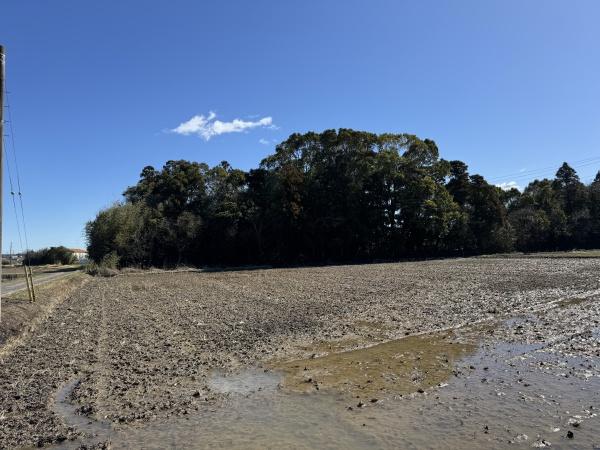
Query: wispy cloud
208	126
508	185
264	141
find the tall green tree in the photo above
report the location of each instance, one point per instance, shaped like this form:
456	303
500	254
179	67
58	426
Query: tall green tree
572	195
339	195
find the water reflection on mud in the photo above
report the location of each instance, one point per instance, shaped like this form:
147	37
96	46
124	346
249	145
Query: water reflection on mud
396	367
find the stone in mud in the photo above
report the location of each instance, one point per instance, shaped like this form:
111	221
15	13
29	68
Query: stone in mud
85	410
521	438
570	434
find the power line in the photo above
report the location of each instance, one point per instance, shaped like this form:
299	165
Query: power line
28	273
543	174
17	172
12	195
547	169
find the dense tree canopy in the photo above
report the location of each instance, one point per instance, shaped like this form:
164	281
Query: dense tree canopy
339	196
52	255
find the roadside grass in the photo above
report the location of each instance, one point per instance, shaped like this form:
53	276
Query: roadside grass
20	315
17	273
49	289
109	268
557	254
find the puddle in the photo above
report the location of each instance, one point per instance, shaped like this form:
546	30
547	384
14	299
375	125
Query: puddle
517	321
65	409
255	415
495	395
263	420
247	382
397	367
95	431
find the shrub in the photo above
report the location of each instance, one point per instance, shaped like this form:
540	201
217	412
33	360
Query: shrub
52	255
95	269
110	260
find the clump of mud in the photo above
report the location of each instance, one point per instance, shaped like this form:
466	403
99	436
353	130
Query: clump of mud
400	366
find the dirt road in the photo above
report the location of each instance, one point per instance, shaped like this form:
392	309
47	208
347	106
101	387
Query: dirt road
142	348
10	287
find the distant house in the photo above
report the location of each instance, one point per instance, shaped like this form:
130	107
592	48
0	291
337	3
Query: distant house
80	253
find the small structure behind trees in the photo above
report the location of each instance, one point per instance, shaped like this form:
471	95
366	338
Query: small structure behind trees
51	255
81	254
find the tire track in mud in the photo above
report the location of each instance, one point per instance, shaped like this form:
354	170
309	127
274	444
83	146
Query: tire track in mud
147	367
93	384
58	350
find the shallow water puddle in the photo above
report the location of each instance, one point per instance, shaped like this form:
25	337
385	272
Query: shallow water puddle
396	367
266	419
246	382
256	415
65	409
495	396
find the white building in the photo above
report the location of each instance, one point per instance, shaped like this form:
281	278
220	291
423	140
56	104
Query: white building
80	253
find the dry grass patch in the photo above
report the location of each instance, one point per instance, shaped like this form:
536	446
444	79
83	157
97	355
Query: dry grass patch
19	314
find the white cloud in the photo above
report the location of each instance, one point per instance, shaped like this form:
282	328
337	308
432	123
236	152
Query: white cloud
207	126
508	185
264	141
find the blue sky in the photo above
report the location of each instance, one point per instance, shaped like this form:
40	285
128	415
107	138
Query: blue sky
510	87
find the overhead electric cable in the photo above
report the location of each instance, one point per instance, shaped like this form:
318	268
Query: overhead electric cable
12	195
547	169
16	168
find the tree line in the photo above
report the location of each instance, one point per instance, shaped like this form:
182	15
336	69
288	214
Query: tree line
339	196
51	255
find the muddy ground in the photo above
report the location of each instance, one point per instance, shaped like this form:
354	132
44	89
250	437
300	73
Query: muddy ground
141	349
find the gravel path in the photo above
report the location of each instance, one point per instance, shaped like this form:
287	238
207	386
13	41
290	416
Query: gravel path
38	279
143	345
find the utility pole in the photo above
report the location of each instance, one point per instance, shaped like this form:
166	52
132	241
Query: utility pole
1	160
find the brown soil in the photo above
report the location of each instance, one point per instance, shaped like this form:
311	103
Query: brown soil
401	366
144	346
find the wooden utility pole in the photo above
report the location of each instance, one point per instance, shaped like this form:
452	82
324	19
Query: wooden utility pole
32	291
1	160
